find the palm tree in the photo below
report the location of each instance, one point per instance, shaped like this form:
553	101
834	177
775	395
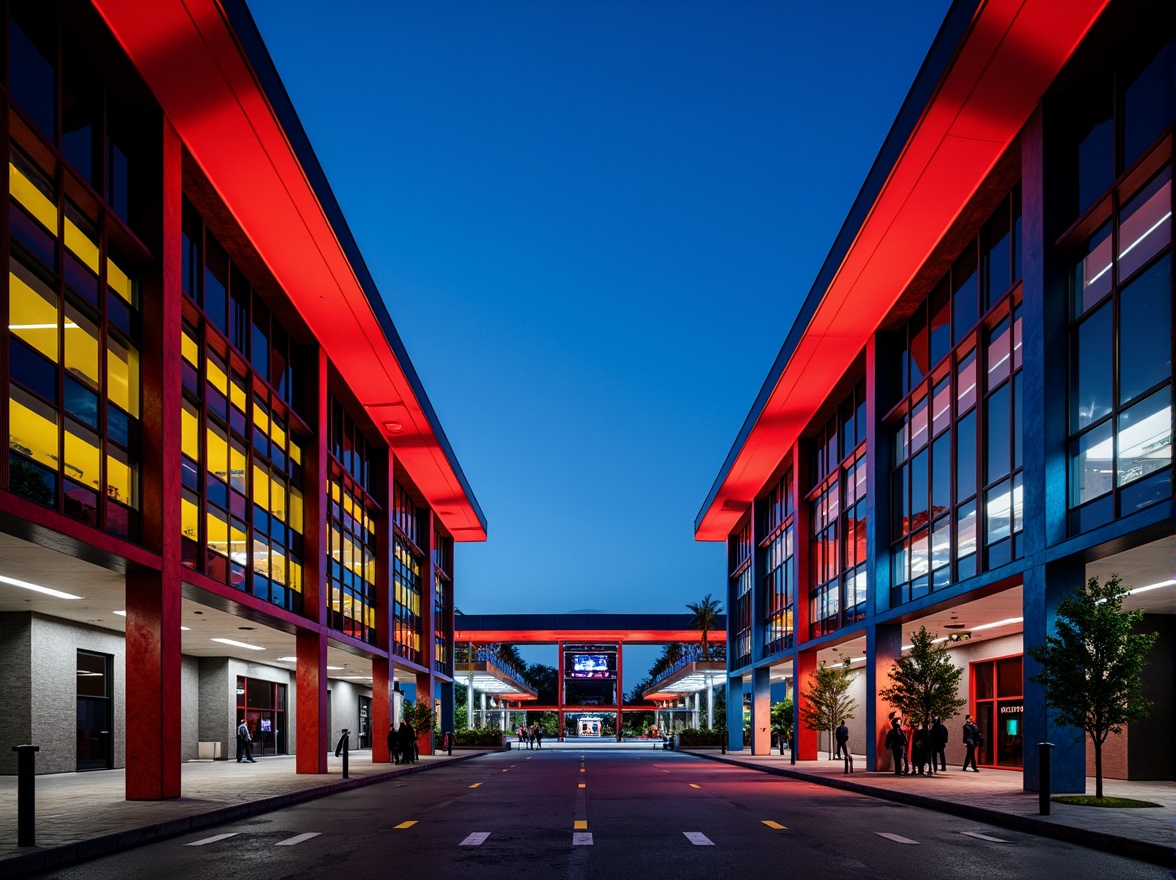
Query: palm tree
706	615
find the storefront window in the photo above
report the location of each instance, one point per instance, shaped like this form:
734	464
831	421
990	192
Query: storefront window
999	707
262	706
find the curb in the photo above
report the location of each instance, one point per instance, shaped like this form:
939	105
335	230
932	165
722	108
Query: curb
1141	850
67	854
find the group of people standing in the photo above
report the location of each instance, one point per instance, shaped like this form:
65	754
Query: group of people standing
531	737
402	743
923	748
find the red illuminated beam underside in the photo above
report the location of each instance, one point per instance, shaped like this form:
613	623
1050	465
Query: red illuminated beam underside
1013	50
585	636
194	63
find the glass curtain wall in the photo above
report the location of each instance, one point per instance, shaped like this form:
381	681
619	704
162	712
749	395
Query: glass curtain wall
778	526
407	562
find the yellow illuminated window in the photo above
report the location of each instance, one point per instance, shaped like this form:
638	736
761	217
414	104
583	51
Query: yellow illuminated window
261	555
33	314
295	453
80	241
190	519
120	478
260	415
237	466
81	456
218	451
277	434
215	369
295	518
239	547
189	348
278	564
190	432
278	499
35	193
122	375
218	532
81	347
294	571
237	393
32	428
261	487
120	282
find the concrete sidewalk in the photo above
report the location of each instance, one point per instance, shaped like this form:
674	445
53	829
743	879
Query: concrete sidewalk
84	815
996	797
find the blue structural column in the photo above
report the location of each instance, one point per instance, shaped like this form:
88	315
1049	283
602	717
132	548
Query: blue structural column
761	711
1044	588
883	647
735	713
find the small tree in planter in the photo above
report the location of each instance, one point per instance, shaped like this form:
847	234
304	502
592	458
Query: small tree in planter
925	683
1091	669
782	722
421	717
827	701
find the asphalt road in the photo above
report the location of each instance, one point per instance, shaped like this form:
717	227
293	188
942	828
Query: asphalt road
618	814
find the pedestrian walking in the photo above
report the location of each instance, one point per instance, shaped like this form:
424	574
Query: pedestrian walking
972	741
406	738
393	745
896	742
841	735
244	743
921	748
522	736
938	743
538	737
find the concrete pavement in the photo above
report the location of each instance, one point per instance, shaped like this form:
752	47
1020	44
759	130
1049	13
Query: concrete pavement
996	796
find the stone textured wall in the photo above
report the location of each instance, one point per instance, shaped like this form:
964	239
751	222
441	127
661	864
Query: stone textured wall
345	709
189	707
16	694
215	722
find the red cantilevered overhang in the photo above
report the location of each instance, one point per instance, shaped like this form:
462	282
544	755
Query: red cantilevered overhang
983	93
586	636
207	67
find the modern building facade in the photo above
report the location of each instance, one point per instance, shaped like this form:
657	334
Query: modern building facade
227	496
972	413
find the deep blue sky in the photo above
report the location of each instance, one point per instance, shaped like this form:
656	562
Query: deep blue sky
593	224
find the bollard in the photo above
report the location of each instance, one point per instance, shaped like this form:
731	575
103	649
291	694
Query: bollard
1043	750
449	744
26	801
341	751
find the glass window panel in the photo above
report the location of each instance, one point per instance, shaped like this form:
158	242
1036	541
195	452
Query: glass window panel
81	455
919	491
33	309
1017	338
1145	437
940	305
81	238
295	519
941	406
217	450
966	529
983	678
966	457
217	372
32	427
31	75
120	478
189	348
1096	145
1017	430
1091	372
81	346
1147	105
1008	677
998	512
900	522
999	354
277	569
1091	465
920	349
190	516
216	285
997	267
1092	274
237	466
997	457
80	402
190	430
965	296
217	529
120	282
966	383
295	453
919	425
941	543
1145	319
941	475
261	488
1145	225
278	498
239	544
920	554
1018	503
33	190
122	375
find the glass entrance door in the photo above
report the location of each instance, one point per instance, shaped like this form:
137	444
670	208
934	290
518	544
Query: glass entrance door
364	740
998	704
262	704
95	745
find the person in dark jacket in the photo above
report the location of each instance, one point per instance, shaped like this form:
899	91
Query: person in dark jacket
938	743
841	735
896	741
921	749
971	741
406	736
393	745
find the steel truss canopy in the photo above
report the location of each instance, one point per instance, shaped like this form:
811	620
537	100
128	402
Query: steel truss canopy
208	68
547	629
486	678
987	70
690	679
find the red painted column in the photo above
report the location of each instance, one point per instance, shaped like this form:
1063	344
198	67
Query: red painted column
806	740
381	709
153	597
426	681
620	693
313	732
559	689
424	687
382	669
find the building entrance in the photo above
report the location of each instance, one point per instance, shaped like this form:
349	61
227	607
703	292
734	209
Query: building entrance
262	705
998	705
95	713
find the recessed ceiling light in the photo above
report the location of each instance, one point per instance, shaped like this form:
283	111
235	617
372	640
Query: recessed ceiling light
1158	586
36	588
287	659
246	628
185	629
336	667
238	644
119	613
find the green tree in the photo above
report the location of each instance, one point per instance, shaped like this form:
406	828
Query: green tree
706	616
826	700
925	683
782	718
1091	668
545	680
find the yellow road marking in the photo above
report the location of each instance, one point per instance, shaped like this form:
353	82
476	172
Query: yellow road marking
475	785
581	769
407	824
580	825
775	825
504	769
581	785
692	785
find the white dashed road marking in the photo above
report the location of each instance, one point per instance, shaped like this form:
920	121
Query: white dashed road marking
294	841
698	838
475	839
897	838
212	839
581	838
980	836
